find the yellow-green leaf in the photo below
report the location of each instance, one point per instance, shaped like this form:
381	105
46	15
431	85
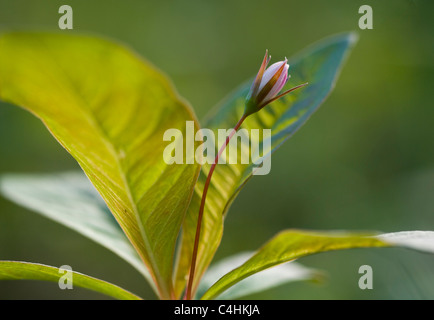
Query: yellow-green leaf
18	270
289	245
109	109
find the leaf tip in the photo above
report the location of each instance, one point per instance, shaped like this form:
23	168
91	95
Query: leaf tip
353	38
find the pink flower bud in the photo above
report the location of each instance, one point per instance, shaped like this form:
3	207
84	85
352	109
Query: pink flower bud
276	84
267	85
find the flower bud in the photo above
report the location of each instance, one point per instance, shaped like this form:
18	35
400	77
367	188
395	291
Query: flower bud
267	85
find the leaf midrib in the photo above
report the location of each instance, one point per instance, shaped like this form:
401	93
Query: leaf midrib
91	118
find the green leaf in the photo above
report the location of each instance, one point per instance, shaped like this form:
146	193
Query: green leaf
267	279
70	199
109	109
17	270
319	65
287	246
293	244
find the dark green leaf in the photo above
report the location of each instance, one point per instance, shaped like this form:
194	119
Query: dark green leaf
319	65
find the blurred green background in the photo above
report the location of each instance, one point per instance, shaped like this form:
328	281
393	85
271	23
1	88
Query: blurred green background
364	161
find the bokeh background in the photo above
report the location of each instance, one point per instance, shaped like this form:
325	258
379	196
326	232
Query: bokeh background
364	161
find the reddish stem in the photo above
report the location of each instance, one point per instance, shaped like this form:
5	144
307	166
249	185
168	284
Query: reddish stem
188	292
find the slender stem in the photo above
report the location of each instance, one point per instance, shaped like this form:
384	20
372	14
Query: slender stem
188	292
